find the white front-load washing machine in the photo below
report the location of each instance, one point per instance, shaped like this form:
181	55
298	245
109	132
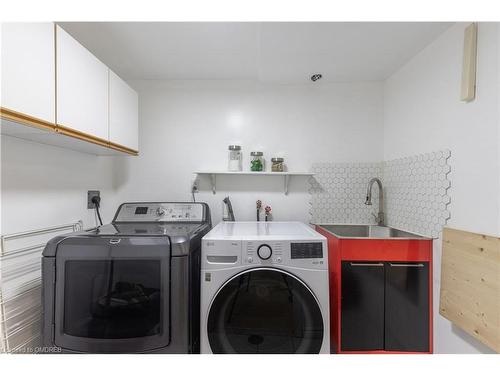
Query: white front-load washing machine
264	289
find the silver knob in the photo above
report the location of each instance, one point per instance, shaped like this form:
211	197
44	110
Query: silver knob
264	252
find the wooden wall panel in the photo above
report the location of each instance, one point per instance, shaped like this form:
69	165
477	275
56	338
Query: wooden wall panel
470	284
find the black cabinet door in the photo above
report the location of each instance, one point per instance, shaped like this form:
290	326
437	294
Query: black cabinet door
407	307
362	311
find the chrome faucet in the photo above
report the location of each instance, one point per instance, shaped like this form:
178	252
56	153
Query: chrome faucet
229	210
380	216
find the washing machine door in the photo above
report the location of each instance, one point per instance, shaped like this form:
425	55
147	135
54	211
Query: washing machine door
265	310
112	294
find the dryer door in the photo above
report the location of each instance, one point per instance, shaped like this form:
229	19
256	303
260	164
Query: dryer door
112	294
265	310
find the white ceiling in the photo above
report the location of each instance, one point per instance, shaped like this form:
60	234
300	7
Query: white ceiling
269	52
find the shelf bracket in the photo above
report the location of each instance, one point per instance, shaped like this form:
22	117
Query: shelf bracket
213	179
287	181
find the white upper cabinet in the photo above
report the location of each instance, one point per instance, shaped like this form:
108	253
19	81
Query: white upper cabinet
49	80
28	69
82	88
123	113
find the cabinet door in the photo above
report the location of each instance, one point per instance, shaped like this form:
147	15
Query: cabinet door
407	307
123	113
362	312
82	88
28	69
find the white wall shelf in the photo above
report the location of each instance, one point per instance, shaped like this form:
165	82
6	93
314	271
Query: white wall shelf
286	176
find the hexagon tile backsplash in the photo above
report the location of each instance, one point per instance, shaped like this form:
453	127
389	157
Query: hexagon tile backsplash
338	192
416	192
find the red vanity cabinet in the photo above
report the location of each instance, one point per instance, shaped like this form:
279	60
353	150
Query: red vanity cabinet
380	294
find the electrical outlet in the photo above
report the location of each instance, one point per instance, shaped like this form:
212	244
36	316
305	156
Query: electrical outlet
91	194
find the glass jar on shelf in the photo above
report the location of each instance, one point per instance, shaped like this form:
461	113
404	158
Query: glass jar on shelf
257	162
277	165
234	158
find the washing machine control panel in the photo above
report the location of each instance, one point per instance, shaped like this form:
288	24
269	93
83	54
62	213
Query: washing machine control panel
257	252
161	211
294	253
264	252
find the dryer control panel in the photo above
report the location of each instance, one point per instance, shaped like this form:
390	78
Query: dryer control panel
160	212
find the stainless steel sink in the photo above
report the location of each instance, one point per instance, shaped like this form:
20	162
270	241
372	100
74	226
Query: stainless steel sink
369	231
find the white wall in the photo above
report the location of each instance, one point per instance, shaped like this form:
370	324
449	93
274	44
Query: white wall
498	108
187	126
45	185
422	113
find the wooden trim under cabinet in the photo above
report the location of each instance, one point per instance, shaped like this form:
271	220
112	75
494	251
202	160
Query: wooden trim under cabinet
121	148
95	140
27	120
81	135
